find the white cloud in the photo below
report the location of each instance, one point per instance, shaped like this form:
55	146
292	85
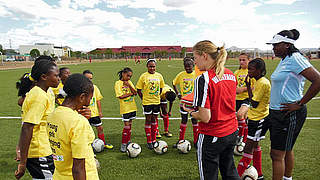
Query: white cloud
299	13
281	14
286	2
178	3
151	16
160	24
316	26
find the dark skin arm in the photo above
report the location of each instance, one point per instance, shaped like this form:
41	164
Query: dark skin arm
248	84
24	143
133	91
314	77
85	111
139	93
79	169
170	107
176	91
20	101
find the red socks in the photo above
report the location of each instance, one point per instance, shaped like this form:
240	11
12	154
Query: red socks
245	133
147	129
241	125
243	163
126	134
195	132
166	122
154	126
182	131
257	160
101	136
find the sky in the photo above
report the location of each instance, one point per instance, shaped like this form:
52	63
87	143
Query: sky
88	24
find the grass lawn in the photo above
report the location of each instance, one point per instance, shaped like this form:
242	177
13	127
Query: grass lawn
172	165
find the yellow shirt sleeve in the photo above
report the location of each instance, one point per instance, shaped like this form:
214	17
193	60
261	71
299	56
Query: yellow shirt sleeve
79	149
132	85
161	81
117	89
98	93
259	91
36	111
140	82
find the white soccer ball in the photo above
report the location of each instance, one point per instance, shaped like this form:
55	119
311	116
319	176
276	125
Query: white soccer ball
97	145
133	150
160	147
250	173
238	149
184	146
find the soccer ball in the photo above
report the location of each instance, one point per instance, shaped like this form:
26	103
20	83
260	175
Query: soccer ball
184	146
97	145
238	149
133	150
97	163
160	147
250	174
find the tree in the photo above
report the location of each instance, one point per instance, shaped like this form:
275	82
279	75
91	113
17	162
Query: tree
34	53
1	48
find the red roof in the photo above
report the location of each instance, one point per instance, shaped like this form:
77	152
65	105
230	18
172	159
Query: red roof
143	49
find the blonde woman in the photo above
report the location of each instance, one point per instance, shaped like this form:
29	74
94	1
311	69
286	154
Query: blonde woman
215	98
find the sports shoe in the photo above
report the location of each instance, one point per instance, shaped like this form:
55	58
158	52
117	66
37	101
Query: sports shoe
108	146
158	135
167	134
175	145
150	145
123	148
260	178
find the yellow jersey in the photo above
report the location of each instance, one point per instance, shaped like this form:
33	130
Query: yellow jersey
51	99
165	89
35	109
150	84
70	136
241	77
185	81
93	102
127	104
261	94
59	91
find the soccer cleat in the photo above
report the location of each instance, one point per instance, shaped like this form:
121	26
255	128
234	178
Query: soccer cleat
108	146
158	135
123	148
260	178
167	134
175	145
150	145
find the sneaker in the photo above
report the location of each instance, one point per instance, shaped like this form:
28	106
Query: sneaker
175	145
150	145
108	146
167	134
123	148
260	177
158	135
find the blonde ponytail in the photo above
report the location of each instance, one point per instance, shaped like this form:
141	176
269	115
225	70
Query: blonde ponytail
218	54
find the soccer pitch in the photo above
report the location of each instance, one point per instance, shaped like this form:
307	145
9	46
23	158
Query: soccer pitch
172	165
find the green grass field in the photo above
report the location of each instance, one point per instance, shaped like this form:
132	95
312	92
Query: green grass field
172	165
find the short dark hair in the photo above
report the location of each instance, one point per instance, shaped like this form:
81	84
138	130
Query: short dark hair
188	60
43	57
62	69
77	84
259	63
87	72
171	96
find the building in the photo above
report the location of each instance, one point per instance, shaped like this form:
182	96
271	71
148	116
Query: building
46	49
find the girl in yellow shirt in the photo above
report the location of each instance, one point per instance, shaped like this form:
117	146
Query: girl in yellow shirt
35	151
126	91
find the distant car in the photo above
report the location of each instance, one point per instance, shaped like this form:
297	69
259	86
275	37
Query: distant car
10	59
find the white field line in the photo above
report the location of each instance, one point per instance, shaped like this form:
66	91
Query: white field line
115	118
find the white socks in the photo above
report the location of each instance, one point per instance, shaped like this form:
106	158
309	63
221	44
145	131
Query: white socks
287	178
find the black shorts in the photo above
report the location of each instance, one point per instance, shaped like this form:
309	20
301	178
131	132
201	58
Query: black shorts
286	128
95	121
41	168
240	103
182	111
151	109
163	101
129	116
258	129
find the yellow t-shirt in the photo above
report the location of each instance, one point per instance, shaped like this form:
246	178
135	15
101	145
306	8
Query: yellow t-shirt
51	99
241	77
185	81
93	102
127	104
261	94
150	84
70	136
35	109
165	89
59	91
